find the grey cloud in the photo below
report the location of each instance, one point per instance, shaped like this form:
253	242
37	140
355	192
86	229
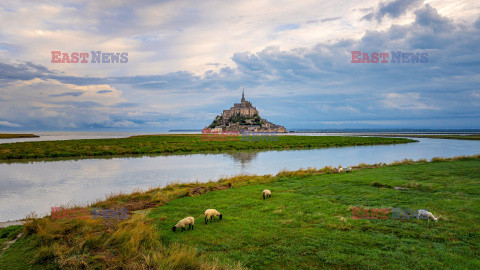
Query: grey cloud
393	9
330	19
369	16
104	91
323	72
80	104
126	105
39	68
429	17
323	20
73	94
366	9
22	71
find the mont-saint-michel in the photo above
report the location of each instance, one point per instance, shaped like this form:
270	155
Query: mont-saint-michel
243	117
126	141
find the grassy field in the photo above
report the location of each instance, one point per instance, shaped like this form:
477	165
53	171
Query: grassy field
8	234
12	136
173	144
300	226
306	224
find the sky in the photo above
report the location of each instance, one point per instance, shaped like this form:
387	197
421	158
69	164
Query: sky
190	60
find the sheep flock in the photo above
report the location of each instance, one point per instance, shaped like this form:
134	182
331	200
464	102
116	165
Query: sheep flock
210	214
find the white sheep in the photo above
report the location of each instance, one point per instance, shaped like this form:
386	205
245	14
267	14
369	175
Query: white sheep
267	194
340	169
210	213
424	213
184	222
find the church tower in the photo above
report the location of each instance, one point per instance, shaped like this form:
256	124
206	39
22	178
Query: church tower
243	96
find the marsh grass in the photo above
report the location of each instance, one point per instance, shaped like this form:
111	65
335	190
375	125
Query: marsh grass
8	234
13	136
172	144
305	224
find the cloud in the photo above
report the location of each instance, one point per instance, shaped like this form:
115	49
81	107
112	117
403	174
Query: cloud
73	94
406	101
287	69
330	19
286	27
9	124
323	20
393	9
104	91
429	17
21	71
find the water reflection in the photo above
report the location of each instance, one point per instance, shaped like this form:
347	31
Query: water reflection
37	186
243	157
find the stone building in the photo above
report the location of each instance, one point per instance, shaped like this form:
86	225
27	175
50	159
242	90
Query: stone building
243	117
244	108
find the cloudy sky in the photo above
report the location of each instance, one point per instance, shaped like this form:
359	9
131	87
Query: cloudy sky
189	60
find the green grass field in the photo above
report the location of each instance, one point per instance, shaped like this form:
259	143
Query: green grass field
306	224
173	144
300	226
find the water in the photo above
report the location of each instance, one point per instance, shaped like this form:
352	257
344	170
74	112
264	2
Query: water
37	186
60	136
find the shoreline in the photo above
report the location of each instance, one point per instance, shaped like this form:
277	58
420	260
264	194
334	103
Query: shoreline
5	224
175	144
222	184
152	213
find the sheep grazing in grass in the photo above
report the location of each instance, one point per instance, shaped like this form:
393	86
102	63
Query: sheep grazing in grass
422	213
210	213
267	194
184	222
340	169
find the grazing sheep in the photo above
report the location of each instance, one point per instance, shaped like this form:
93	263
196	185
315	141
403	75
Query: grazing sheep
424	213
210	213
267	194
340	169
184	222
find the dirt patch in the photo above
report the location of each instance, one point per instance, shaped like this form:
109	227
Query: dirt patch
9	243
380	185
138	205
203	189
197	191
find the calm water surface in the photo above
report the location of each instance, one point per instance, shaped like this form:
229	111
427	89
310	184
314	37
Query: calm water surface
37	186
60	136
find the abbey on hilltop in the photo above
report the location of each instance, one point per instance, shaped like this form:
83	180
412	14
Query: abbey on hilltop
243	117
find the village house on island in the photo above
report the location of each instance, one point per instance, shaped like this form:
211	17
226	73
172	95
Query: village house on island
243	118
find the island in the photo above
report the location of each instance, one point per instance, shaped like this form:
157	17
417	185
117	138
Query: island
243	118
